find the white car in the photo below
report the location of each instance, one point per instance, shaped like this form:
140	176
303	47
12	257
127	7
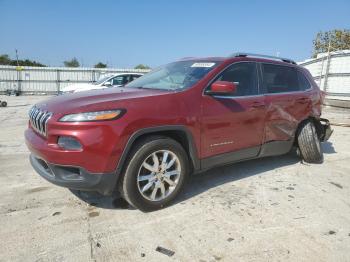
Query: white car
114	80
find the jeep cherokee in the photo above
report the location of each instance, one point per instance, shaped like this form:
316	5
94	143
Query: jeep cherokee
184	117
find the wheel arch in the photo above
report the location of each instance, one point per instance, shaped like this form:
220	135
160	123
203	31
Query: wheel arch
315	121
181	134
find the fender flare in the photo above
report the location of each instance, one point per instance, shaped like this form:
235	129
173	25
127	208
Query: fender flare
193	156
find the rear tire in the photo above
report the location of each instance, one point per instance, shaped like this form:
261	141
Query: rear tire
3	103
309	143
155	173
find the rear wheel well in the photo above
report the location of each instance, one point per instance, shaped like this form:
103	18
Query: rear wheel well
315	121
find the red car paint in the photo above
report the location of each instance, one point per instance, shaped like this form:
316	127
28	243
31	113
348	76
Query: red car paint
217	125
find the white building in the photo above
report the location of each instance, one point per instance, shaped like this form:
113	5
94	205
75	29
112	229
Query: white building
331	72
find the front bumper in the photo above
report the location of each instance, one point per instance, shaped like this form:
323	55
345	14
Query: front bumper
74	177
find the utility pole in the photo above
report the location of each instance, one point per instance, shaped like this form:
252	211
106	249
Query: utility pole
19	78
327	68
320	80
17	57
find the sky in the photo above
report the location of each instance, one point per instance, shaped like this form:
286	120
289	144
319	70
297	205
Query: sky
130	32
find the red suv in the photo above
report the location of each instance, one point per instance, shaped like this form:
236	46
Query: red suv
144	139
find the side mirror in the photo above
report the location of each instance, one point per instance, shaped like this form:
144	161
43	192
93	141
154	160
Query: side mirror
222	88
108	83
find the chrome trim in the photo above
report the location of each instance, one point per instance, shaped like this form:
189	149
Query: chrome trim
237	97
288	93
38	120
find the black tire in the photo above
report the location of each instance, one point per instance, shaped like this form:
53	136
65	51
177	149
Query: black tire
3	103
309	143
129	187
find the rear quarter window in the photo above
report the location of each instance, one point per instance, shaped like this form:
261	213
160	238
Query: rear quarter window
304	84
280	79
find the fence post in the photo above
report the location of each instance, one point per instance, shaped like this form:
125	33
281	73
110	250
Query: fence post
93	78
58	81
19	79
325	84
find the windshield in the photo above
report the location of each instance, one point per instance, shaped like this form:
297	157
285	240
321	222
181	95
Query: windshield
173	76
101	80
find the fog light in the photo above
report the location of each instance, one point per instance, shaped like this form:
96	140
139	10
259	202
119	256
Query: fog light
69	143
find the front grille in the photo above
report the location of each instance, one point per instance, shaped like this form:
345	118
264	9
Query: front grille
38	120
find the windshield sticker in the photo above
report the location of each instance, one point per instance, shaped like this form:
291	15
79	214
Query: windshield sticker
202	64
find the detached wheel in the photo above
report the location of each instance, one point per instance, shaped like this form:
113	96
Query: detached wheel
309	143
156	171
3	103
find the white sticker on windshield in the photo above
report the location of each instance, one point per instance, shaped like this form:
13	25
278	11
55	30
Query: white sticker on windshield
202	64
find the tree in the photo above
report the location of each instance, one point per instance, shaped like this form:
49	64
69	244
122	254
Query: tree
71	63
141	66
100	65
337	39
6	60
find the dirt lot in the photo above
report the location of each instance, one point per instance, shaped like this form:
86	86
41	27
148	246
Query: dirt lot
272	209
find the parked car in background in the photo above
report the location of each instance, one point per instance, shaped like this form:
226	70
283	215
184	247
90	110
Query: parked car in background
115	80
184	117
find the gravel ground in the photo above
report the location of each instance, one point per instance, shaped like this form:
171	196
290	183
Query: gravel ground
272	209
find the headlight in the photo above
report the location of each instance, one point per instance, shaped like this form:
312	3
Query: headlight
93	116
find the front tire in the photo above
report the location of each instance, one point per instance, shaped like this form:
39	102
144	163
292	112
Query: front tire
156	172
309	143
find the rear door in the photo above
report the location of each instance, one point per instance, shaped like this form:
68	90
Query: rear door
287	101
234	122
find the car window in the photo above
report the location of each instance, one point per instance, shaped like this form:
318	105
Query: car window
175	76
280	79
120	80
133	77
244	75
304	84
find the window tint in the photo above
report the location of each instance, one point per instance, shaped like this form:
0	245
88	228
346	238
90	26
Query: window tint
120	80
244	76
304	84
133	77
279	79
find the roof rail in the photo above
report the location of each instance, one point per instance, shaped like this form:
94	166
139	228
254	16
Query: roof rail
287	60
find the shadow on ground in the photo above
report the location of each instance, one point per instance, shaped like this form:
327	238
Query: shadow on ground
328	148
215	177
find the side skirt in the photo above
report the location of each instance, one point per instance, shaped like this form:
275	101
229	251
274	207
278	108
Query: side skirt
273	148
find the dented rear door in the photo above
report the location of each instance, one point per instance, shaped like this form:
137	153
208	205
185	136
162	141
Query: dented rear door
286	103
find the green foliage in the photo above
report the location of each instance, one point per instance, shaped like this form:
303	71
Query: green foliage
100	65
71	63
6	60
141	66
339	39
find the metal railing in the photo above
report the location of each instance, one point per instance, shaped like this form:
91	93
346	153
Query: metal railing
50	80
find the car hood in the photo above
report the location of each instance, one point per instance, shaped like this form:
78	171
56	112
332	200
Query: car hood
95	100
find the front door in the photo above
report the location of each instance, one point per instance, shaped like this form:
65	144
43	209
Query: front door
234	123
